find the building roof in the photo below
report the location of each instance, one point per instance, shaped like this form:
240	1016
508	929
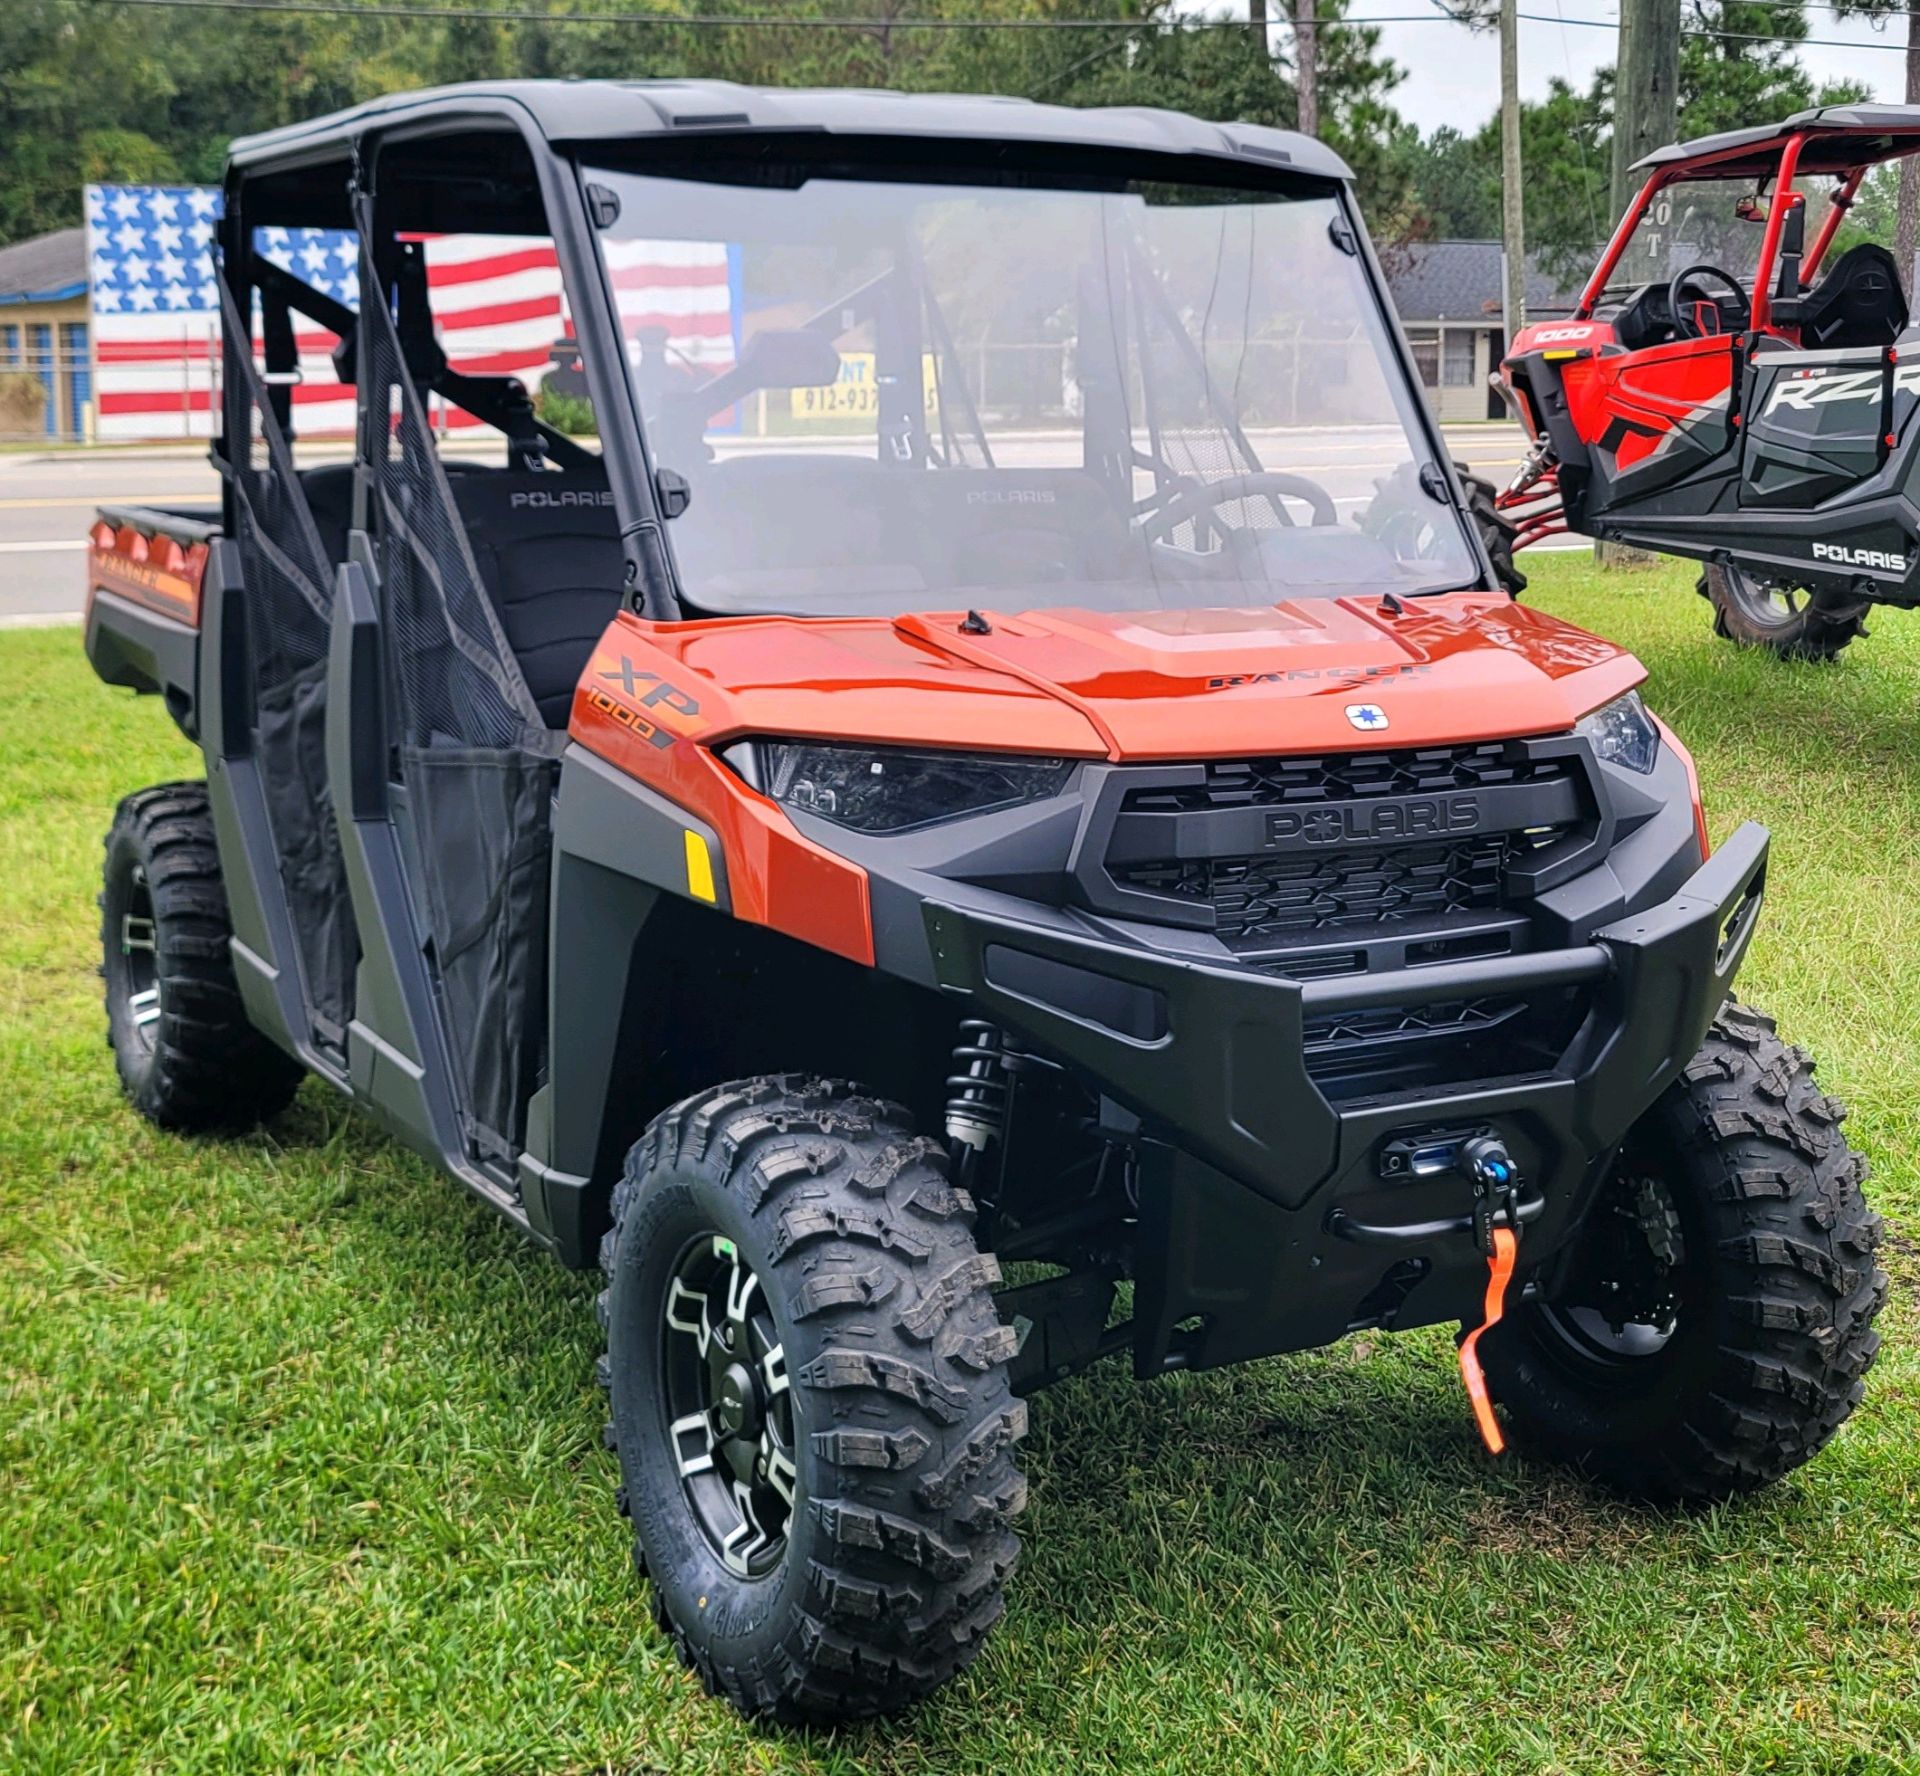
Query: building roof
608	110
1459	280
1844	136
48	268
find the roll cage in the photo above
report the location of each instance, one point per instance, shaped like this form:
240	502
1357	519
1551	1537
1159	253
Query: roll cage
1846	142
552	126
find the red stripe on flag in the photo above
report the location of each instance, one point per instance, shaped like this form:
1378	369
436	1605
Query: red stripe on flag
698	326
474	271
499	314
114	401
643	276
501	363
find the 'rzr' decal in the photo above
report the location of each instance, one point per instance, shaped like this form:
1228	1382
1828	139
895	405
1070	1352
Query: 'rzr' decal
1805	389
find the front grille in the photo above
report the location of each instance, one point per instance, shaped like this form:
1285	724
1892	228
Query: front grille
1348	777
1313	868
1287	899
1386	1049
1385	1024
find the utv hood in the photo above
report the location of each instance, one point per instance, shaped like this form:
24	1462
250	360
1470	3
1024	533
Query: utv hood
1314	675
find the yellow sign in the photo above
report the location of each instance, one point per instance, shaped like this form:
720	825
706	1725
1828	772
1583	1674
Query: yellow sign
856	395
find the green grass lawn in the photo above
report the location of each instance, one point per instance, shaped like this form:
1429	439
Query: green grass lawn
300	1461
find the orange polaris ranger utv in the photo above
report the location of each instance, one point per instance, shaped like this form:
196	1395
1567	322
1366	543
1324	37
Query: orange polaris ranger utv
998	743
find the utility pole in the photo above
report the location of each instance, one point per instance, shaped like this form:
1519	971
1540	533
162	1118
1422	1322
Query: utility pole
1513	232
1904	213
1306	65
1646	88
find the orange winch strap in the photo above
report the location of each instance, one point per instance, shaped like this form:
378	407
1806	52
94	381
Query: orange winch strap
1499	1274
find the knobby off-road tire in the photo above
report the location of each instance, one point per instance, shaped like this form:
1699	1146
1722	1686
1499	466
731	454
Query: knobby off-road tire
1797	626
1496	531
896	1406
1771	1263
187	1055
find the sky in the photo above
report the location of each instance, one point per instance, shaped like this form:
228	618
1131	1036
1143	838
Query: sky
1452	75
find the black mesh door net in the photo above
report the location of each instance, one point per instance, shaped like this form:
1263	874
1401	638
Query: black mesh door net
477	762
287	610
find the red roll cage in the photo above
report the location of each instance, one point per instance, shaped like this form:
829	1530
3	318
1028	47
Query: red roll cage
1736	160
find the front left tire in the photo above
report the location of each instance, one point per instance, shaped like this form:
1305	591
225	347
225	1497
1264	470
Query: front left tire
810	1399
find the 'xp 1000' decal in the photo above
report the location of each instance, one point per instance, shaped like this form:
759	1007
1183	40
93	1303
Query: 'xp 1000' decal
642	702
1416	817
1803	390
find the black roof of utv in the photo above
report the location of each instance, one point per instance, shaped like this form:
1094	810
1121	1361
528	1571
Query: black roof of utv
1858	133
582	111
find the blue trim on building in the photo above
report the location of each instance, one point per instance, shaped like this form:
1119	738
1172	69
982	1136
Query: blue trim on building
66	293
40	362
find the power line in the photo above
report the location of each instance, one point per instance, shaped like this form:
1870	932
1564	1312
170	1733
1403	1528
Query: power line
384	9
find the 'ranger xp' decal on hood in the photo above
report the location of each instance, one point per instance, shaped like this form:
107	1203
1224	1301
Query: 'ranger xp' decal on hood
1296	674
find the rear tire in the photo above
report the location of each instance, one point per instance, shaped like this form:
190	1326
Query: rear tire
187	1056
822	1483
1735	1217
1786	620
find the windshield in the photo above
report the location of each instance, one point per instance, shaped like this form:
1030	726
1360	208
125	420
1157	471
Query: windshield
887	396
1718	222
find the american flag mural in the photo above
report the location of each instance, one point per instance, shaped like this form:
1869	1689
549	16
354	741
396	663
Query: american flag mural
496	299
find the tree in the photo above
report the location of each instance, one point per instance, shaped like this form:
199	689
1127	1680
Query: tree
1750	75
1906	232
92	91
1187	66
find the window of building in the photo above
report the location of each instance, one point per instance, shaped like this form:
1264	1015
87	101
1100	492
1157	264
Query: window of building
1426	354
1457	368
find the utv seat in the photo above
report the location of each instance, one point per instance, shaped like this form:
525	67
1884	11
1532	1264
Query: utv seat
1857	302
548	550
329	491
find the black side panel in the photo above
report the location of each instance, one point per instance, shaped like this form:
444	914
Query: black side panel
1817	426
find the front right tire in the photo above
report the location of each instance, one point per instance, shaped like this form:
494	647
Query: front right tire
810	1399
1711	1327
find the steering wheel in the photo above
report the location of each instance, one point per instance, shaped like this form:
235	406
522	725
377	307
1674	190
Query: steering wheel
1193	500
1686	324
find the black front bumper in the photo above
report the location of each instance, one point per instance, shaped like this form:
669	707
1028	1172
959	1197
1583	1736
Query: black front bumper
1254	1180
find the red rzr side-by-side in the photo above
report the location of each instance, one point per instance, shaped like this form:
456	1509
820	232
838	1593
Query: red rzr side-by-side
1737	384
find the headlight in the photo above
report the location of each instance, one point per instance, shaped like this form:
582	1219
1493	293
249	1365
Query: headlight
875	789
1623	733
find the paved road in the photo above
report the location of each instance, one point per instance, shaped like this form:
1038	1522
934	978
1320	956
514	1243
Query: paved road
47	502
46	505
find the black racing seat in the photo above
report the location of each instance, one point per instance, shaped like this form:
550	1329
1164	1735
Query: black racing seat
548	550
1857	302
